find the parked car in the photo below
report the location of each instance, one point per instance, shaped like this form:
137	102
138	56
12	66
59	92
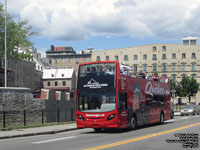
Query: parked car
190	110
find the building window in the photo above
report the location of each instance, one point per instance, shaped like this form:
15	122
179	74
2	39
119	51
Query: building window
48	83
64	83
70	66
135	57
154	68
116	58
164	48
193	66
135	68
145	68
193	42
174	77
56	83
154	48
194	76
63	60
77	60
183	75
164	56
56	60
183	67
125	57
154	57
98	58
84	60
173	67
70	60
144	57
107	58
193	55
164	67
173	56
183	55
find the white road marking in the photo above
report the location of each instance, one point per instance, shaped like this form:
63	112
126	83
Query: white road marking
53	140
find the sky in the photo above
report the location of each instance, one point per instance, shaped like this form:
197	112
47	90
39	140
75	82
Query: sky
107	24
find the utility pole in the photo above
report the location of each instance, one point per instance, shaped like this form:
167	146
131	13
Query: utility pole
5	43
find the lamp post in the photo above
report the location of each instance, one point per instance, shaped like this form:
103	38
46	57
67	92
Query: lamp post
5	43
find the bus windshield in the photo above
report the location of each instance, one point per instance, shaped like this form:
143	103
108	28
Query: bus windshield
97	77
96	102
97	69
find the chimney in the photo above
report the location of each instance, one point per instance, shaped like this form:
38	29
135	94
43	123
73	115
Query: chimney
52	47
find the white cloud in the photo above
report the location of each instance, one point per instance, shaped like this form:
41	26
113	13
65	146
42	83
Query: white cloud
74	20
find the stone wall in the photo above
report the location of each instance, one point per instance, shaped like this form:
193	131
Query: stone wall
62	108
16	101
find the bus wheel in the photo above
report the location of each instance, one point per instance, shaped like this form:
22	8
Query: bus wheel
97	129
162	118
133	122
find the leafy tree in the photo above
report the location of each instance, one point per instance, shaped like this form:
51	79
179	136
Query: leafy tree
17	37
188	87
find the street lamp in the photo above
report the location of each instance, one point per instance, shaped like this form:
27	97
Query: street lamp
5	43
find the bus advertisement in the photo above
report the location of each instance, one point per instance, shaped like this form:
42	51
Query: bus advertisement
107	97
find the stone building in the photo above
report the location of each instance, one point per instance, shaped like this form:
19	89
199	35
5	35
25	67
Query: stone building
59	79
172	60
24	72
20	73
66	57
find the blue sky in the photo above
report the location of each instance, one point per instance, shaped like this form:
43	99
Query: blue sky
107	24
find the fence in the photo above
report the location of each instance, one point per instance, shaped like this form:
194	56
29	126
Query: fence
27	117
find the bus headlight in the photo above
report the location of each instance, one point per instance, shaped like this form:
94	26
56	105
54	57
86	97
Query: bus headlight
80	117
110	117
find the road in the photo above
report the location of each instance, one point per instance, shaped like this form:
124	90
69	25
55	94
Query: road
153	137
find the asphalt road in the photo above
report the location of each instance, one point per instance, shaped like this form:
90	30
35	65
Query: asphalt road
174	134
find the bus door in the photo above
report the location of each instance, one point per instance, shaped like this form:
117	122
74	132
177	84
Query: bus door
123	109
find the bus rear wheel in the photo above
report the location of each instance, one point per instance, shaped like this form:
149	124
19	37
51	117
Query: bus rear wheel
162	118
133	122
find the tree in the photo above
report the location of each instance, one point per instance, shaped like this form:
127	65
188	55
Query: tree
17	37
189	87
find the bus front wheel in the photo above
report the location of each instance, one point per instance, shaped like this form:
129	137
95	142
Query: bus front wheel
97	129
133	122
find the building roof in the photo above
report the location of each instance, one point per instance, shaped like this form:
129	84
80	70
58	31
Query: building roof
58	73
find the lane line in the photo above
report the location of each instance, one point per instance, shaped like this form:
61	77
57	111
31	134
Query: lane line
53	140
141	138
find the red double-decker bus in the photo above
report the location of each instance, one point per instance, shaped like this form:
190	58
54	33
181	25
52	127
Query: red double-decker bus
107	97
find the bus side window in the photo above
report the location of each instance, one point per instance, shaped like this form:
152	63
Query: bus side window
148	98
123	101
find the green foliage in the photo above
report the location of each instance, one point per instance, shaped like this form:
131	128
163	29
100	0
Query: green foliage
186	88
17	37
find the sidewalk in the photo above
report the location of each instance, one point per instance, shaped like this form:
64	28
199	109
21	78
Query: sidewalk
37	131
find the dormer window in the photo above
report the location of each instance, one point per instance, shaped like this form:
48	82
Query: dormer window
62	75
52	75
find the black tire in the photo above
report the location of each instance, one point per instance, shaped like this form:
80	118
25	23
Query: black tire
162	118
97	130
133	122
172	115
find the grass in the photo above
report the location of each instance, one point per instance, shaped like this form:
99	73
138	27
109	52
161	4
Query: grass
34	126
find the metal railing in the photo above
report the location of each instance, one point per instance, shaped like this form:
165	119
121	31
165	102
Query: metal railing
36	117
